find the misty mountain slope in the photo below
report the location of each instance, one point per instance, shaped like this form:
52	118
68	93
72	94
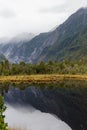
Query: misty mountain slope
66	41
28	51
2	57
10	47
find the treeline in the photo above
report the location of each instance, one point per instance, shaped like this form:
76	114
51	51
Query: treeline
65	67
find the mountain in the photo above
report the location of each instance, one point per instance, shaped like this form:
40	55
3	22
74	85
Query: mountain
67	41
72	40
10	46
2	57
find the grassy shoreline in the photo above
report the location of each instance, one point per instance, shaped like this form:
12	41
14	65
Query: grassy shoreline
42	78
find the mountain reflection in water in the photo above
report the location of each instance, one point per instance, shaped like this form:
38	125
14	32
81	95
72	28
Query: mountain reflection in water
67	100
32	119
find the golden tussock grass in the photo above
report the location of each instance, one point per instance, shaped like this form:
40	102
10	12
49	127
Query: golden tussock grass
43	78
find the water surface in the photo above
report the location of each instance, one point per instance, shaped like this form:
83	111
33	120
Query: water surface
33	119
35	106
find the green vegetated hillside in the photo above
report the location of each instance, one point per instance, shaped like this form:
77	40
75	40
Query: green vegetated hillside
72	41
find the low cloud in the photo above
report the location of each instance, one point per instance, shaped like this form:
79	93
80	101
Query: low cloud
7	13
67	7
55	9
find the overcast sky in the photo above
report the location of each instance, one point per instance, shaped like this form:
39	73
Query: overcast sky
35	16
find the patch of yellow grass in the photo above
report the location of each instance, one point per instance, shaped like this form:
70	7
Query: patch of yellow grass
45	78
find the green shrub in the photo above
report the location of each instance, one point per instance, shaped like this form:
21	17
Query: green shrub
3	125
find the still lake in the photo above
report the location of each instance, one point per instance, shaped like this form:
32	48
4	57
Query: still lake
61	106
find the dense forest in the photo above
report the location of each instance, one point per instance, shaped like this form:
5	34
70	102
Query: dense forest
51	67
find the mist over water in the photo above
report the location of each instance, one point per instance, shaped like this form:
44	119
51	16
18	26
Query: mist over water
29	118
